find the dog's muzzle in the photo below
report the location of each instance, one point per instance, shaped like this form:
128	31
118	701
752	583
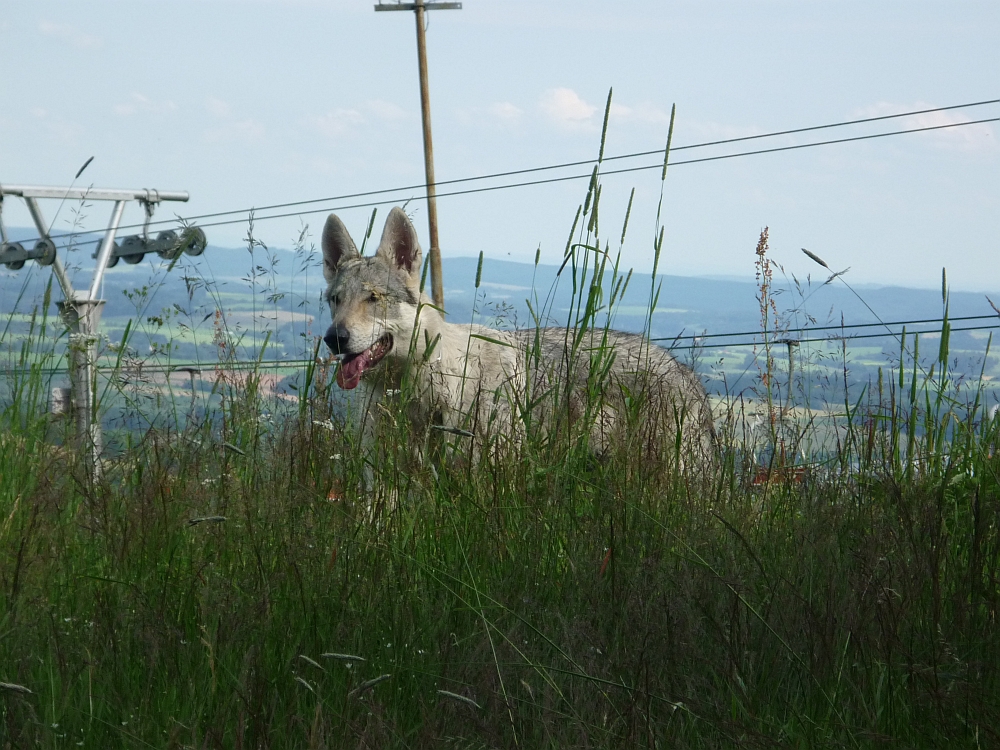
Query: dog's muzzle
354	364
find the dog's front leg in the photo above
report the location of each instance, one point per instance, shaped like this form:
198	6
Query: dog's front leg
368	411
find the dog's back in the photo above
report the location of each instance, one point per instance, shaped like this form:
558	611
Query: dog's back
633	394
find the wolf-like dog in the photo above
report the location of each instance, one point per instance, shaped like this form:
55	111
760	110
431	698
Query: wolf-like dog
491	385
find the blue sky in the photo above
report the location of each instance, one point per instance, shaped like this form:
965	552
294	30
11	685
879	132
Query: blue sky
249	103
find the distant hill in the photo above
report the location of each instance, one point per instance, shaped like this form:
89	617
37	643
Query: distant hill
687	305
279	294
694	304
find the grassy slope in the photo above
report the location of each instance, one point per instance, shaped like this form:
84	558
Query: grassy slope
577	604
535	599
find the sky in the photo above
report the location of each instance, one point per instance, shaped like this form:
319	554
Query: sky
250	103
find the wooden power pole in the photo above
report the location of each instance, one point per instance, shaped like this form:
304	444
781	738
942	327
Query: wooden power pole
418	8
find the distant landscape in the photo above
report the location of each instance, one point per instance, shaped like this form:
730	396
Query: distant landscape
277	294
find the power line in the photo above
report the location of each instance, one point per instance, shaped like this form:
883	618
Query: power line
246	364
843	123
566	165
810	329
242	364
885	334
587	175
143	369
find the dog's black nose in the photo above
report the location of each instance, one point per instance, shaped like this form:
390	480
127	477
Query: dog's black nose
337	338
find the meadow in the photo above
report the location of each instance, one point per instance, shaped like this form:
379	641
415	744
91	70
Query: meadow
241	573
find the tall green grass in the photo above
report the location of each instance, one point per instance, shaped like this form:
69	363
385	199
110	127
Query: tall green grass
236	581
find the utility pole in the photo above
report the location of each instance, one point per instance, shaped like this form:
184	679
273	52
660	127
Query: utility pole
418	8
792	345
192	371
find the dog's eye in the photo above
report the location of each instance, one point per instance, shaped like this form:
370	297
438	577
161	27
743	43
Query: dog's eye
335	299
373	297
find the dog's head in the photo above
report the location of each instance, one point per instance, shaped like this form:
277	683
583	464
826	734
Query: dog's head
373	300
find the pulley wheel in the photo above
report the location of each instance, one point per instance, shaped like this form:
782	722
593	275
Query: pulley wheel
46	252
168	241
194	241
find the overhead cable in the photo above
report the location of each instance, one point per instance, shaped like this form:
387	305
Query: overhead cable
587	162
606	173
756	342
810	329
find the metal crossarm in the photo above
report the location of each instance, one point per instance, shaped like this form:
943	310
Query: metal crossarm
413	6
93	194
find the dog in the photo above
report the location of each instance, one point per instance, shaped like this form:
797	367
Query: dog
490	386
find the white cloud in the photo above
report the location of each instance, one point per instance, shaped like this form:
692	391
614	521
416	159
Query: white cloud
247	131
502	114
979	137
505	113
228	129
343	120
60	130
218	107
384	110
707	130
143	104
67	33
565	108
336	123
644	113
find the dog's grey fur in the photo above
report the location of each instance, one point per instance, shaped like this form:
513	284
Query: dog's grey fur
490	383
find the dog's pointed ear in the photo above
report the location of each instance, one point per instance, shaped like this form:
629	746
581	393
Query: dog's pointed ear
399	244
337	246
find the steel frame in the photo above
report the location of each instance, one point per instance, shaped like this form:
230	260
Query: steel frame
81	309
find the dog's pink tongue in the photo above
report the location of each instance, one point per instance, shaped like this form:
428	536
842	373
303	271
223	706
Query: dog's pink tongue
349	374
